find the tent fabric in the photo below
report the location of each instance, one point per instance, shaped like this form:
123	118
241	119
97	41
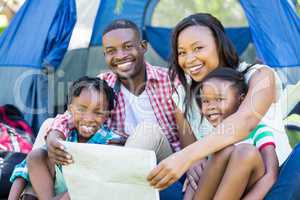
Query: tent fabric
275	29
41	32
157	36
83	29
133	10
150	8
35	36
28	89
34	40
289	98
160	39
289	75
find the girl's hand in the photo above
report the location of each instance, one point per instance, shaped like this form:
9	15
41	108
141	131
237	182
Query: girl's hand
169	170
194	173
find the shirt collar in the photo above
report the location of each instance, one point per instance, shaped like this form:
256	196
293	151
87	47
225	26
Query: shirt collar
151	75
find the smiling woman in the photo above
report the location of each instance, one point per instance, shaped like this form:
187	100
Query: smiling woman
200	45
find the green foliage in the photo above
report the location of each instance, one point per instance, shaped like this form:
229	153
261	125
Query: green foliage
298	7
294	137
3	23
1	29
119	7
168	13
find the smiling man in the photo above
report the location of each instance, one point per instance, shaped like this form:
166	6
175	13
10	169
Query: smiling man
144	109
124	53
144	94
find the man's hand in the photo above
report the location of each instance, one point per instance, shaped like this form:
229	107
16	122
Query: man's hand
56	151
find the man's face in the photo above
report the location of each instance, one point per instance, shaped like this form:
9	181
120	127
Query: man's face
124	52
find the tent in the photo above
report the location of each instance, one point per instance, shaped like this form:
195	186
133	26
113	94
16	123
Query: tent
50	43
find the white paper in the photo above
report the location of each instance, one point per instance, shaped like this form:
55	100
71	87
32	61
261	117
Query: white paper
109	172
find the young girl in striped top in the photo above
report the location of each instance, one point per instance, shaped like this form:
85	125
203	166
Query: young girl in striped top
245	170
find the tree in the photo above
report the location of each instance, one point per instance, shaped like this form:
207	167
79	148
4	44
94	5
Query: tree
3	23
168	13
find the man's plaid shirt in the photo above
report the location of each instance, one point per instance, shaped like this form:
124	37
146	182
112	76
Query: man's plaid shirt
159	90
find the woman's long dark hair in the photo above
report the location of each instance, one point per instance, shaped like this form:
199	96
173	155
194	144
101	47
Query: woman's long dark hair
227	54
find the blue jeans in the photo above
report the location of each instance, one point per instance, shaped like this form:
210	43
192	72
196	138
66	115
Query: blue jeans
173	192
287	185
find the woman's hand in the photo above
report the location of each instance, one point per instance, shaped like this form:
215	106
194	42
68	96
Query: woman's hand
169	170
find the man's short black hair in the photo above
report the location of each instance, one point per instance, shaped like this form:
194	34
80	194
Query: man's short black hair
122	24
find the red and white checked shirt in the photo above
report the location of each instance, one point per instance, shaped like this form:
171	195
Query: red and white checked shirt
159	90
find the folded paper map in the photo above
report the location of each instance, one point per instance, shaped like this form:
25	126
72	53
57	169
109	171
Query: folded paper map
109	172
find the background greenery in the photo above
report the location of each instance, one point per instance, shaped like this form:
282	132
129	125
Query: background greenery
168	13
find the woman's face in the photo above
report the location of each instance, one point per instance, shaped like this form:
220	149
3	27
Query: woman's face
197	51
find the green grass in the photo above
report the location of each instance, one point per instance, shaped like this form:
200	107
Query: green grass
2	29
294	137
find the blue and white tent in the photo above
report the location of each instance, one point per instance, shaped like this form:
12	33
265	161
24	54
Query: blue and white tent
50	43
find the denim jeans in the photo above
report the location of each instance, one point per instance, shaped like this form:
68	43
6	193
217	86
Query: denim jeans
174	192
287	186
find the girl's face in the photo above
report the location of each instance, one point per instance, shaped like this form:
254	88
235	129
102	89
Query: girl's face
197	51
89	111
219	100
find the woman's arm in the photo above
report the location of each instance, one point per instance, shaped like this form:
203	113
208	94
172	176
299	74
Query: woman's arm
260	96
261	188
185	133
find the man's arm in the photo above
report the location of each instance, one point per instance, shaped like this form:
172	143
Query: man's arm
56	151
62	123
